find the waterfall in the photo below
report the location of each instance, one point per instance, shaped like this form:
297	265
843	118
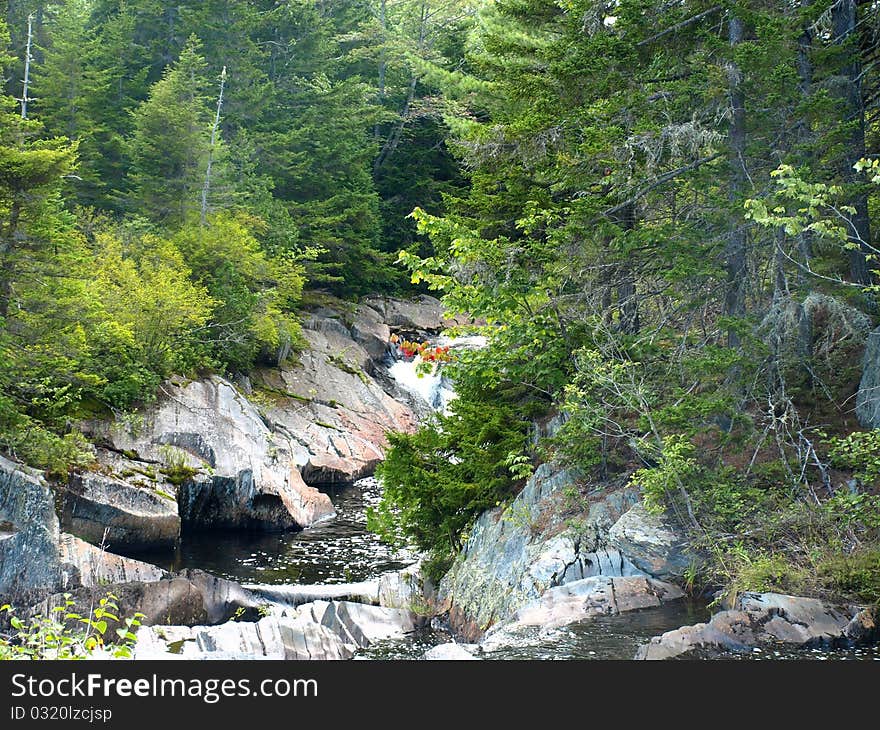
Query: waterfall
432	387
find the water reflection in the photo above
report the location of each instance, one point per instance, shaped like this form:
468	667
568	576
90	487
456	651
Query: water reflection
338	551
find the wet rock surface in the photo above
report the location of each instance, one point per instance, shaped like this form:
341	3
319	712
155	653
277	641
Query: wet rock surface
760	619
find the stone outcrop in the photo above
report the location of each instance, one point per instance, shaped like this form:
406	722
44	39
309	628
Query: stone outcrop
360	624
318	630
248	456
651	542
246	476
868	397
422	314
595	596
87	566
30	560
761	619
409	589
189	598
371	332
333	414
513	556
269	638
121	516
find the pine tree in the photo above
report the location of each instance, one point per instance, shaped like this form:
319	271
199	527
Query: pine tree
170	142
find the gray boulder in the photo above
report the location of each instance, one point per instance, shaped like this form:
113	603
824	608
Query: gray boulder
423	313
370	332
88	566
359	624
269	638
189	598
104	510
30	561
651	542
512	556
868	397
758	619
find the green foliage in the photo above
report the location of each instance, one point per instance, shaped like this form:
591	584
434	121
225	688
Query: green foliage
858	451
149	315
436	481
26	439
175	466
855	510
677	467
255	292
761	572
856	575
67	634
170	142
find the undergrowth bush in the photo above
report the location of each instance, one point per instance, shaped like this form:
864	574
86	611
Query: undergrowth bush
436	481
67	634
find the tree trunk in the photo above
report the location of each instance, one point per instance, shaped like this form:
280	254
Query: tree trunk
627	301
735	253
383	23
27	68
802	130
7	250
206	189
849	90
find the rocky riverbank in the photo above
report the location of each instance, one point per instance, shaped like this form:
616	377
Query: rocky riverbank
259	453
213	454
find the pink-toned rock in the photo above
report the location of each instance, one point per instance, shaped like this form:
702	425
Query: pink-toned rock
246	475
595	596
758	619
334	415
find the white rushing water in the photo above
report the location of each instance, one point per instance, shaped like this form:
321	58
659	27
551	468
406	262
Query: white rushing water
432	387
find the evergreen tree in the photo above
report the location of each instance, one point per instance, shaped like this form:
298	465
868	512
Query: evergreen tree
170	142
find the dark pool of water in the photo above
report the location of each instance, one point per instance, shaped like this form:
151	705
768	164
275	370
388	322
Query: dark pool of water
338	551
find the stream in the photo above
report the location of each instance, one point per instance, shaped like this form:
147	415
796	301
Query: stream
343	551
338	551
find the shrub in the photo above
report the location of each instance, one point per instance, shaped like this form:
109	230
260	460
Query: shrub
26	439
437	480
66	634
858	451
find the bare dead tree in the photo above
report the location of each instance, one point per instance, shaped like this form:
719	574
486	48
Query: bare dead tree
27	67
214	129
